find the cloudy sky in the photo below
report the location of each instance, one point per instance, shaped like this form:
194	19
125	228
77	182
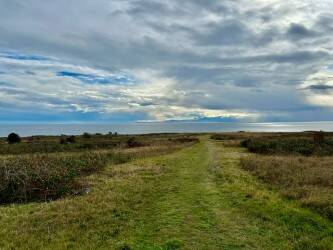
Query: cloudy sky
152	60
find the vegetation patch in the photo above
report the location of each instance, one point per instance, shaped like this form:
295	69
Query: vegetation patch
307	179
51	173
301	145
45	177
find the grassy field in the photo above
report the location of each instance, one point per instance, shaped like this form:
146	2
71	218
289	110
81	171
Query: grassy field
196	198
44	176
86	142
307	179
299	165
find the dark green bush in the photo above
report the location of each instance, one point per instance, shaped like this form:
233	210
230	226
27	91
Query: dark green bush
13	138
71	139
132	142
86	135
217	137
285	145
185	139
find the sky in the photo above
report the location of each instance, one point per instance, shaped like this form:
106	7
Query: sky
150	60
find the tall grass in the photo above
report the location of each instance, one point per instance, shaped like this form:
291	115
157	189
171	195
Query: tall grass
46	176
55	144
281	145
307	179
42	177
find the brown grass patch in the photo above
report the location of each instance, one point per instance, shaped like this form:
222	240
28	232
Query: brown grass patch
307	179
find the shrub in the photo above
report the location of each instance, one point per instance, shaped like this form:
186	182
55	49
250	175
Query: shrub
245	143
86	135
132	143
62	141
281	146
13	138
217	137
319	137
185	139
71	139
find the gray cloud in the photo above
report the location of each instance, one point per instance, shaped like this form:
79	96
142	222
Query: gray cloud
196	56
299	31
320	88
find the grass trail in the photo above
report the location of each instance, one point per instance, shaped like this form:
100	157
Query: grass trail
197	198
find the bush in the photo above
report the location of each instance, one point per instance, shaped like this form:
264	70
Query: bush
281	146
71	139
13	138
86	135
245	143
62	141
319	138
132	143
186	140
217	137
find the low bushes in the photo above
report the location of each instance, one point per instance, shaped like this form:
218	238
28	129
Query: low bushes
300	146
45	177
29	171
186	140
133	142
308	179
60	145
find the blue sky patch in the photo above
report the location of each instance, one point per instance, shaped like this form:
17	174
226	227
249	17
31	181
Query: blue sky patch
16	56
96	79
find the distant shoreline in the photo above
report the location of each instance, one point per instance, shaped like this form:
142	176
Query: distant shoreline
35	129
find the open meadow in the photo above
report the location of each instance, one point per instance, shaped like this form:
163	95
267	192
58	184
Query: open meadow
167	191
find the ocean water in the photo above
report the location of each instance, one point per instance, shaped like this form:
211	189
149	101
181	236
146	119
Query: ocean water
147	128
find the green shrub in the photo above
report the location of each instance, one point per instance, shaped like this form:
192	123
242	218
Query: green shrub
71	139
217	137
86	135
132	142
13	138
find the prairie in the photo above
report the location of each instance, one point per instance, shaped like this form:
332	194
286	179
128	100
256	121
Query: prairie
297	164
176	193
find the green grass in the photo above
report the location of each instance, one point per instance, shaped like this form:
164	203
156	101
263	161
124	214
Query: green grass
307	179
44	177
54	144
40	176
196	198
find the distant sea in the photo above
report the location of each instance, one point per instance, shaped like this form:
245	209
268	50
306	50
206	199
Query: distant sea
171	127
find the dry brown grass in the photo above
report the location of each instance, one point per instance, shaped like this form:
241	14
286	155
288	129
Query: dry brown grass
307	179
41	177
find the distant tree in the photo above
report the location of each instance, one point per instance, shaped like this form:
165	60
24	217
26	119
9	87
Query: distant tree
13	138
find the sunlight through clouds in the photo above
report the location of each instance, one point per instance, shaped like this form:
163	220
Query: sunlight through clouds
162	60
